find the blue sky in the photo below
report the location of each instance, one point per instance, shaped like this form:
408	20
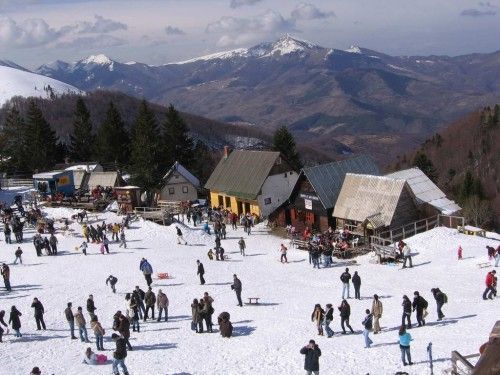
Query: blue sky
159	31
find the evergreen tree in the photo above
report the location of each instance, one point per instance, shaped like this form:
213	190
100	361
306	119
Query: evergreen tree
82	140
284	142
425	165
471	187
112	140
145	157
204	163
496	115
177	144
41	140
14	146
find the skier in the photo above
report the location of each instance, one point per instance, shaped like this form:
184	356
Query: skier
283	250
441	299
71	320
5	271
368	325
356	282
162	304
147	270
406	312
119	354
237	287
420	305
80	322
345	313
112	282
91	306
179	236
15	320
242	245
377	310
201	272
328	319
404	345
345	277
406	255
18	254
150	300
488	292
317	316
99	332
39	311
311	362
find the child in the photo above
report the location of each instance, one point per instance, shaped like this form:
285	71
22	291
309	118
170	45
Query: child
90	358
460	251
210	254
83	246
123	242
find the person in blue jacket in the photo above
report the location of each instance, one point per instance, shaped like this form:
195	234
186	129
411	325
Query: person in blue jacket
404	345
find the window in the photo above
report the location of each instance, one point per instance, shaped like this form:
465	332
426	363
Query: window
228	202
185	189
267	201
171	190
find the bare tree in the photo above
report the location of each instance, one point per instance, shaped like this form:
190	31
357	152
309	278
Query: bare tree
477	211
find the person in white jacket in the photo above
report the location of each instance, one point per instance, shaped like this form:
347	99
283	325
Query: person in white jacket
406	255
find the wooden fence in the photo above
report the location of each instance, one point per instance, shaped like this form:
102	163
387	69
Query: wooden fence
15	182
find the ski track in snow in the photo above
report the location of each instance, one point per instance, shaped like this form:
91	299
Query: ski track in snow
268	337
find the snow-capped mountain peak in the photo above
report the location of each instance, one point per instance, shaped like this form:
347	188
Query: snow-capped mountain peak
283	46
239	52
97	59
354	49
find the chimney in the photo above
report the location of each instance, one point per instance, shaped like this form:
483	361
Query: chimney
226	151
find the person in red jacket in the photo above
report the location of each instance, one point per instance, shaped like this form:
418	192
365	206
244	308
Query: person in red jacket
490	278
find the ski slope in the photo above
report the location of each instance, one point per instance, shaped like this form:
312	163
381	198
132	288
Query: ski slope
15	82
268	336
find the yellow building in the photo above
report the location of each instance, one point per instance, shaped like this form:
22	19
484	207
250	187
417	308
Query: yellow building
247	181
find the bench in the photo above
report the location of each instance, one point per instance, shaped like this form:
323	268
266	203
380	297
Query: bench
484	265
254	299
300	244
386	252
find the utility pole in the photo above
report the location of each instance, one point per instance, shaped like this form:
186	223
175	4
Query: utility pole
429	350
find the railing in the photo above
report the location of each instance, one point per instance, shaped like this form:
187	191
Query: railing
15	182
460	365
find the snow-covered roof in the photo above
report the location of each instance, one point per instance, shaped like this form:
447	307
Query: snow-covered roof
183	172
82	167
46	175
426	191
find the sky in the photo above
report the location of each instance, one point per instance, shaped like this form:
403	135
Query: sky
34	32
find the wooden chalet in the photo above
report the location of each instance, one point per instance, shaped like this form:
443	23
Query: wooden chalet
248	181
315	194
179	185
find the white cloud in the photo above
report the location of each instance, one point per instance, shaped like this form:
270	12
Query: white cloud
171	30
100	25
307	11
240	3
30	32
97	41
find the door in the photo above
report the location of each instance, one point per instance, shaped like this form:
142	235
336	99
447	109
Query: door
221	200
288	217
239	207
247	207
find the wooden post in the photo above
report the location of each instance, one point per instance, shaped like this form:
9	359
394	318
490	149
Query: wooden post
426	225
403	228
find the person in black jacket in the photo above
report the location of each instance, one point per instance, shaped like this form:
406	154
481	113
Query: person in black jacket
71	320
119	354
406	312
356	282
440	301
201	272
368	325
138	295
345	313
15	319
39	311
419	304
2	323
328	319
311	362
237	287
345	277
91	306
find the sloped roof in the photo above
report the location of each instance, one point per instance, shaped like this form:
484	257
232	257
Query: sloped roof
183	172
327	179
365	197
242	173
47	175
103	179
426	191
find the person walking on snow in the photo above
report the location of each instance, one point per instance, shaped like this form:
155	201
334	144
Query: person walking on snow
317	316
368	325
406	255
404	345
283	251
91	306
345	313
179	236
497	256
237	287
242	245
162	303
406	312
18	254
147	270
328	319
2	323
5	271
15	320
119	354
7	231
441	299
150	300
377	310
419	305
112	282
356	283
123	241
71	320
84	246
81	323
312	353
53	243
39	311
201	272
490	290
99	332
345	277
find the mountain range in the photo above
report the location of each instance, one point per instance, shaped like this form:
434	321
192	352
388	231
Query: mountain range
366	100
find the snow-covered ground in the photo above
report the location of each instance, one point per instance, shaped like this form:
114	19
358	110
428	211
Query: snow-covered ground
16	82
267	336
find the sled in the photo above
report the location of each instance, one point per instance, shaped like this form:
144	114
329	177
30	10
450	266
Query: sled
253	301
163	276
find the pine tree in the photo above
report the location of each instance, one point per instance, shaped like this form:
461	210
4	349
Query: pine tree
496	115
204	162
284	142
112	140
471	187
14	141
145	157
425	165
41	140
177	144
82	139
